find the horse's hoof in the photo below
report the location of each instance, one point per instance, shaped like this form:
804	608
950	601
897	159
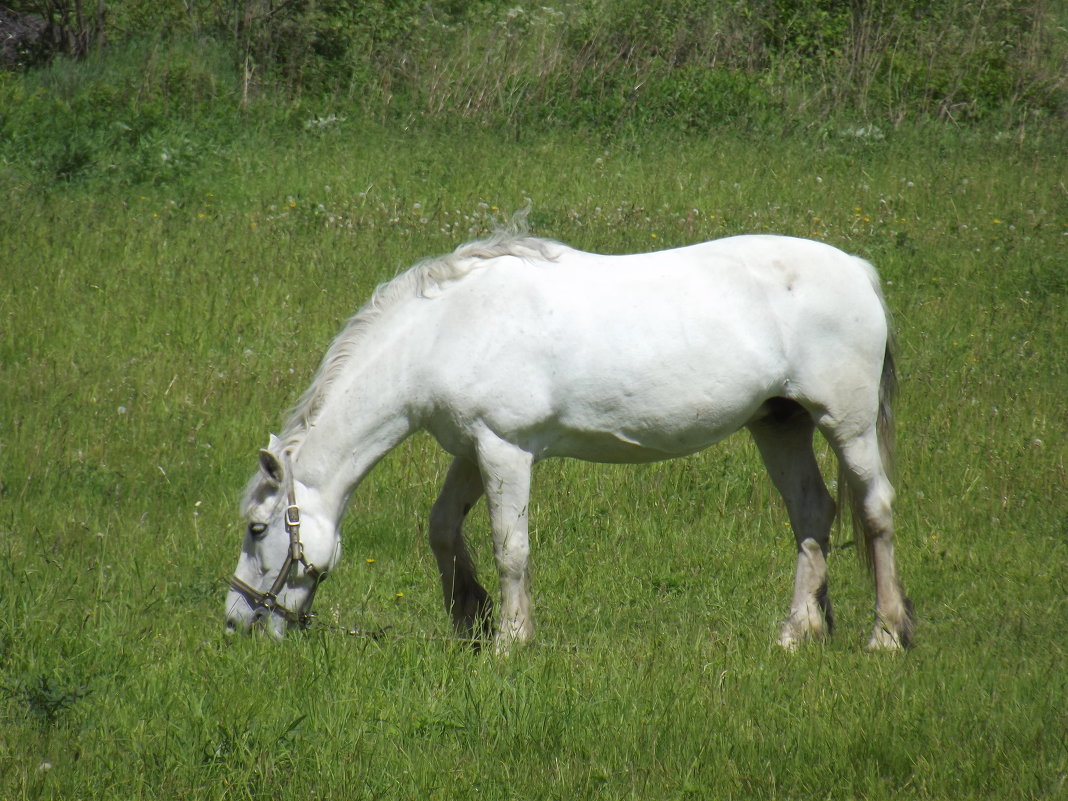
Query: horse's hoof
885	640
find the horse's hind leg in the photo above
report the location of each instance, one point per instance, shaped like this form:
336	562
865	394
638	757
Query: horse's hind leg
465	599
872	497
784	438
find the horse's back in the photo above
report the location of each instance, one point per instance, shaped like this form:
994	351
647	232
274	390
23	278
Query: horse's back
651	355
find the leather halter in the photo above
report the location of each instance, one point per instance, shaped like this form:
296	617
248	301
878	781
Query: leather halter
269	600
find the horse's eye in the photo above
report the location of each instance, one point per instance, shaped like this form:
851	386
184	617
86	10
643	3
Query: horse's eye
257	530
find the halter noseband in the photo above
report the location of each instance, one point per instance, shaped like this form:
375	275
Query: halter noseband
269	600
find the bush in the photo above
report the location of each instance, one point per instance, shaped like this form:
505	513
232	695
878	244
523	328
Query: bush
175	78
495	61
137	113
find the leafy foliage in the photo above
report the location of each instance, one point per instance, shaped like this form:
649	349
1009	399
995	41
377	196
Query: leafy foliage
617	63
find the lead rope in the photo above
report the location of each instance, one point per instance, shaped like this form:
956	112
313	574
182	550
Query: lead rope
389	632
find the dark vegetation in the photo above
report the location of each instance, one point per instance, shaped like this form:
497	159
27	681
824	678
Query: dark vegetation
142	91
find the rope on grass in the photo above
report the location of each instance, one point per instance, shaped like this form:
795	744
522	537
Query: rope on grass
389	632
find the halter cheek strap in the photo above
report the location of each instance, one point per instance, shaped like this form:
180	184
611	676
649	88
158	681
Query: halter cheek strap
269	600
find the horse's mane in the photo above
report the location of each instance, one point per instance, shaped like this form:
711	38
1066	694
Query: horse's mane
424	279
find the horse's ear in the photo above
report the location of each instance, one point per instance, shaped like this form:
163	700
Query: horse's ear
271	467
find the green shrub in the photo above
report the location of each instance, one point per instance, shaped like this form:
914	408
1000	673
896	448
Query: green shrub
138	112
177	82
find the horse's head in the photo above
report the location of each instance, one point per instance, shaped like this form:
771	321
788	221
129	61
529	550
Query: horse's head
288	548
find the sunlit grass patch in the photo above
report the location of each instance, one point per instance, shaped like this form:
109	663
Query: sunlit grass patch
147	358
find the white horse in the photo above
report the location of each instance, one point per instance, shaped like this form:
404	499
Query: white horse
515	349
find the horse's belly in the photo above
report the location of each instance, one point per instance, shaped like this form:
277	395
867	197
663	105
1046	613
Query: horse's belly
608	413
623	447
649	423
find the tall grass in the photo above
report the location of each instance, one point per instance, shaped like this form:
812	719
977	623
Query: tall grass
635	63
153	334
179	84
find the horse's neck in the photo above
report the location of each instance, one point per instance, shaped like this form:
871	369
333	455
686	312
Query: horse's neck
363	416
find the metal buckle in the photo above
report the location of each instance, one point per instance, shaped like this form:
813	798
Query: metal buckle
293	516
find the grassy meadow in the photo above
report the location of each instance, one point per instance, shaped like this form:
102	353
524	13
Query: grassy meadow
153	333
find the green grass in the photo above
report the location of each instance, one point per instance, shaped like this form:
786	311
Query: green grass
152	336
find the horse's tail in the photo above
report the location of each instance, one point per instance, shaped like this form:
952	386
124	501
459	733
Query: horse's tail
884	428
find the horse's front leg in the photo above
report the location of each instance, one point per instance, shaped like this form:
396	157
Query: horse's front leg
465	600
506	479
